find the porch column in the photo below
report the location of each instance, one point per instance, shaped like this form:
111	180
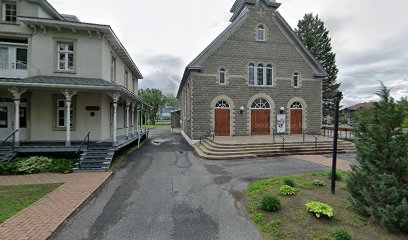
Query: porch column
133	119
115	96
148	119
138	119
16	96
127	119
68	102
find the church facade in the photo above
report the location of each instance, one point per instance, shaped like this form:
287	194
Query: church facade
255	78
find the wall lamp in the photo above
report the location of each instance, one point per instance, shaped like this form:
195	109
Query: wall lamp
242	109
282	109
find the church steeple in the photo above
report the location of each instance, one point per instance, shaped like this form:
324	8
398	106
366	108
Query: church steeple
239	5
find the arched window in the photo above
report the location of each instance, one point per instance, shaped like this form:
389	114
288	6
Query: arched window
260	75
260	33
260	103
222	76
296	79
269	75
222	104
251	74
296	105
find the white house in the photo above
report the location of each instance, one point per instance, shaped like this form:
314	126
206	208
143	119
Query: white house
61	78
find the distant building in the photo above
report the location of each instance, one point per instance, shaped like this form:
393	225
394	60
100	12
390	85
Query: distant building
350	111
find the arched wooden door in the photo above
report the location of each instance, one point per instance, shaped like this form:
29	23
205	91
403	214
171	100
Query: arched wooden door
222	119
261	117
296	118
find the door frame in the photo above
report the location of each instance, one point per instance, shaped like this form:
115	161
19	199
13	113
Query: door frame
213	105
303	108
268	128
229	121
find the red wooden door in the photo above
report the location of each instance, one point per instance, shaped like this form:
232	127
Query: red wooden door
222	122
296	121
261	122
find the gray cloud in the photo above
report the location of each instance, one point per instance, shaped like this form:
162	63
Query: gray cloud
162	80
165	61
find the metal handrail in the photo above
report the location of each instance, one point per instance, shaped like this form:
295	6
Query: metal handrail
283	139
86	140
304	131
12	135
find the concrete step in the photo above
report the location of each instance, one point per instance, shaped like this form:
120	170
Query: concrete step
225	157
277	144
214	147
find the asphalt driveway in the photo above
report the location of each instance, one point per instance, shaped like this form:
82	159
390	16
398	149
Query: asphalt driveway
164	192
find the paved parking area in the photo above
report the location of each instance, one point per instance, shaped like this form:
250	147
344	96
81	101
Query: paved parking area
165	192
40	220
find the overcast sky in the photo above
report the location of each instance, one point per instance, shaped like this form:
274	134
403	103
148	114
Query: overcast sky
370	37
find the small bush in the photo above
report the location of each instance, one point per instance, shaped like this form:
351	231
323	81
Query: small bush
341	234
319	209
287	190
36	165
289	182
318	183
270	203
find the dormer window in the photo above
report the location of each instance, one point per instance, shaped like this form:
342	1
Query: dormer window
260	33
296	80
10	12
222	76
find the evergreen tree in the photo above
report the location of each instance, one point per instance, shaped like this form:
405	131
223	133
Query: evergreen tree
315	36
379	183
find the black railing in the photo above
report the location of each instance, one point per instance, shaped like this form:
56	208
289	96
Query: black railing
283	139
85	141
316	139
13	140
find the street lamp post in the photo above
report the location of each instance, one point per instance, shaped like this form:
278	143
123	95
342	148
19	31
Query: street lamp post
335	136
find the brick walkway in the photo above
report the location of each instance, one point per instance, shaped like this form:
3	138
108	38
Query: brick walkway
40	220
343	165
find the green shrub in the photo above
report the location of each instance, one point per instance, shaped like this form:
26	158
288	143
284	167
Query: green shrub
341	234
319	209
289	182
287	190
318	183
270	203
36	165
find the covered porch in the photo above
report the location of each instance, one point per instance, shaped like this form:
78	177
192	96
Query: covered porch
54	114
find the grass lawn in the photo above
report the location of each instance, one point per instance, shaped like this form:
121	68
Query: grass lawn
14	199
293	221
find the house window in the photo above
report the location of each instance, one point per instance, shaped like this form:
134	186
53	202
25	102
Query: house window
251	74
126	79
113	69
260	103
65	56
62	113
269	75
296	105
260	33
260	75
296	79
222	76
10	12
222	104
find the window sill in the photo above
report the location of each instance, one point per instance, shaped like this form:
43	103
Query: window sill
63	129
65	71
261	41
262	86
9	23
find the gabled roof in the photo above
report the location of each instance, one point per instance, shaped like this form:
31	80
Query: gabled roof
105	30
359	106
195	65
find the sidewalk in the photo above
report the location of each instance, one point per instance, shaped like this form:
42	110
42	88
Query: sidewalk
41	219
342	164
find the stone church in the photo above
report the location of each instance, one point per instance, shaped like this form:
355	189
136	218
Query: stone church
255	78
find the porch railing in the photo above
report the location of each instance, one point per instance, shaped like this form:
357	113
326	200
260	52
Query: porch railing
12	136
316	139
85	141
283	139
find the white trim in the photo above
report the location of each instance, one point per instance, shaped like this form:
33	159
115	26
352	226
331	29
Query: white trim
188	139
